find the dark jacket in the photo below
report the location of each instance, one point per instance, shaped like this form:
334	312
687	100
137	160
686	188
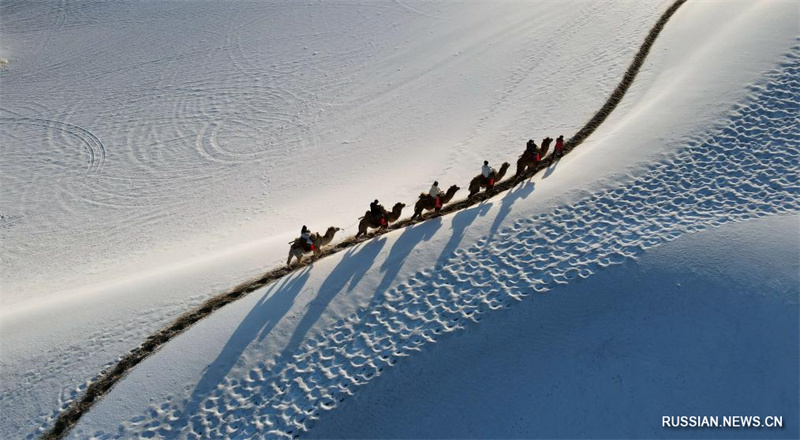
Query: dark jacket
376	209
531	148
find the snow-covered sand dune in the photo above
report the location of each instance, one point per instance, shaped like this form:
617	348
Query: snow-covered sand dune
146	132
156	153
125	125
278	360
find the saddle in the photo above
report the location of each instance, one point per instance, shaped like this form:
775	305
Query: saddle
529	156
302	244
435	200
373	219
490	180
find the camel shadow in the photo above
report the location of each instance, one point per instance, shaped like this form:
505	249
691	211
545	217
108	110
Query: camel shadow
411	237
518	192
458	225
348	273
276	301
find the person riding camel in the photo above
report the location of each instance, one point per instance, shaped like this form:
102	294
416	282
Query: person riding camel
435	192
559	148
305	235
532	150
488	174
376	210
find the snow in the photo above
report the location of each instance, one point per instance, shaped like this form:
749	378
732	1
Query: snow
205	122
678	331
179	145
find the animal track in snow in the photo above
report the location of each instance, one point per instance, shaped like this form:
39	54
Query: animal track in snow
747	169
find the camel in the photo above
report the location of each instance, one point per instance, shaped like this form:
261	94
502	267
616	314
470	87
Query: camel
298	248
524	163
528	162
368	222
426	202
479	182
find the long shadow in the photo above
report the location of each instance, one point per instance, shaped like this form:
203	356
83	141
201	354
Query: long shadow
551	168
354	264
408	240
260	320
459	225
519	192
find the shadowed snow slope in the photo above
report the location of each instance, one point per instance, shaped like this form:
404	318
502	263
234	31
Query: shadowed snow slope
291	354
682	330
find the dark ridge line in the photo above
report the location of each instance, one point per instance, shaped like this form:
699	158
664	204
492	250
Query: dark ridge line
108	378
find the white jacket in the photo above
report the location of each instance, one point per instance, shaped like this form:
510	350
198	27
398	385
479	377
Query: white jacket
434	191
486	171
306	237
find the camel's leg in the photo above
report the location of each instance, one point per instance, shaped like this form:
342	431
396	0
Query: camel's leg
473	191
520	172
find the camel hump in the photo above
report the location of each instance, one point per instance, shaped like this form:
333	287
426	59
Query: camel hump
422	195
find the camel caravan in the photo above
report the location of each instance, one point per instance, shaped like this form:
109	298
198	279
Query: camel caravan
377	217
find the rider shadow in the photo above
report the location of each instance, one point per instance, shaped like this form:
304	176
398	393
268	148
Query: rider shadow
351	269
260	321
458	225
551	168
518	192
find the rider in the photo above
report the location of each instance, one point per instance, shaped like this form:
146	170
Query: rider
559	148
545	147
376	210
531	148
488	174
305	234
435	192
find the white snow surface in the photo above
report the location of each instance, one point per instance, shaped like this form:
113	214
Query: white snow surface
155	153
594	238
667	333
